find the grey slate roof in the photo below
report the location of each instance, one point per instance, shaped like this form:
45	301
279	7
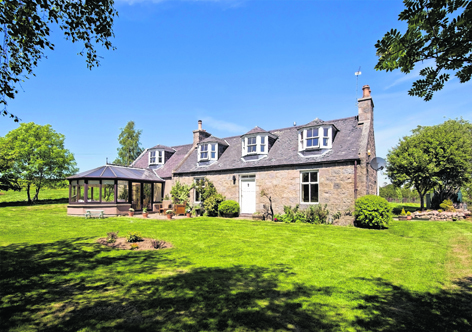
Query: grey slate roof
180	152
255	130
118	172
163	147
214	139
284	152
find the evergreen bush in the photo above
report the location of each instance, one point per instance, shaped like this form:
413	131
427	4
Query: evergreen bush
373	211
229	208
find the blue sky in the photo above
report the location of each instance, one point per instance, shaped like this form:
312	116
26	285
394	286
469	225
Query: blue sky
234	64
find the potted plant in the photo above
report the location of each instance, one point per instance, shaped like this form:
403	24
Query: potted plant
145	213
408	215
195	210
131	212
402	215
189	213
169	213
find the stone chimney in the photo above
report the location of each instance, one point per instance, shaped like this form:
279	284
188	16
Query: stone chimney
365	106
199	134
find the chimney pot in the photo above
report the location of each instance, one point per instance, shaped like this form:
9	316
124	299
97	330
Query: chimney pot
366	91
199	124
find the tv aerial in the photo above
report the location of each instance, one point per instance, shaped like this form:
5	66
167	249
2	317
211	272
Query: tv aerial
357	73
377	164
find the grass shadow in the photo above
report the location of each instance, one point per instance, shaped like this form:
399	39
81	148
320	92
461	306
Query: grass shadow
75	285
395	308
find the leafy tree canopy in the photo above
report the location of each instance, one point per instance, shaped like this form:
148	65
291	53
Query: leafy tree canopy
38	157
433	157
8	181
440	30
26	27
130	146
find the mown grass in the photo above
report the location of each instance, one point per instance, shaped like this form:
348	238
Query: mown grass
60	195
231	275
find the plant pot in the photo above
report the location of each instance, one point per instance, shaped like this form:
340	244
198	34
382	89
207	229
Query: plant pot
169	216
408	217
131	214
145	215
189	215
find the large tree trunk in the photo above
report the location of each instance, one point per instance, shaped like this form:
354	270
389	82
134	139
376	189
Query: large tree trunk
36	196
28	192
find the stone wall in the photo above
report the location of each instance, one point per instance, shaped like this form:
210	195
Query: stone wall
336	187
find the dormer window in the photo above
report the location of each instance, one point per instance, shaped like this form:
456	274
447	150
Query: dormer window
312	139
251	145
263	144
156	157
315	138
208	151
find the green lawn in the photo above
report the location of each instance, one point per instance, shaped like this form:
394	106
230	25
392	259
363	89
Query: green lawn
45	195
231	275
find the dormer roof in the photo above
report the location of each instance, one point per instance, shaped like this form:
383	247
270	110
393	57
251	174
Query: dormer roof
163	147
255	130
317	123
213	139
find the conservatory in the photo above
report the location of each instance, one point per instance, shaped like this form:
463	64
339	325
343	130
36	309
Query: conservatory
114	190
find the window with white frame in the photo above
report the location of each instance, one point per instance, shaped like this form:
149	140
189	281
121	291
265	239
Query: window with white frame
251	144
312	138
208	151
309	187
213	151
200	182
203	151
263	144
156	157
255	145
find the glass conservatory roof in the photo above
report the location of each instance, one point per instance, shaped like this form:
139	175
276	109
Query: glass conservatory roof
118	172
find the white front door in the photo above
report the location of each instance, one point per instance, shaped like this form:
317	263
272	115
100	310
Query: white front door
248	195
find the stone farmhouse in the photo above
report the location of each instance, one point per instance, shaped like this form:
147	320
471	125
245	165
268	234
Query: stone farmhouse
321	162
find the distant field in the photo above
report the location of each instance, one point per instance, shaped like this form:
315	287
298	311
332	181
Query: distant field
44	195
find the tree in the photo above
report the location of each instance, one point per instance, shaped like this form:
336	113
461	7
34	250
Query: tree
40	159
433	157
26	27
180	193
130	146
440	30
8	181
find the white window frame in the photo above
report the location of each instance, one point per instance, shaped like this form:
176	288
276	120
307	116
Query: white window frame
258	144
159	156
195	190
209	151
303	138
309	183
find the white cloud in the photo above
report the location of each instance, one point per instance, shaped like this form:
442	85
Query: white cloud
412	75
222	125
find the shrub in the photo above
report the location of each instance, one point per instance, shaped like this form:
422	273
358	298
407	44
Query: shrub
134	237
180	193
408	213
440	210
447	205
211	204
156	244
278	218
134	246
403	213
229	208
373	211
112	236
317	214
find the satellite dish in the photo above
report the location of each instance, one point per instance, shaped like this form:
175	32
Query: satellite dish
378	164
